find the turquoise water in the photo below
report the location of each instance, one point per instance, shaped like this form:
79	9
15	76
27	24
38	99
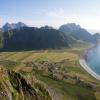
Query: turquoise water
93	59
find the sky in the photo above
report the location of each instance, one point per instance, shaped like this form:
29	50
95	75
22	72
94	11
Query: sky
51	12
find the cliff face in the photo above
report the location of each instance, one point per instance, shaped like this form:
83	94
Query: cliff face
14	87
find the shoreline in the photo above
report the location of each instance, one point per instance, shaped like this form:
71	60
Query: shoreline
88	69
84	64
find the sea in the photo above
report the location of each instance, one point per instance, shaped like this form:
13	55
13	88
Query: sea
93	59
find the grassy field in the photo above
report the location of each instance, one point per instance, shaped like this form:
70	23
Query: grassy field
66	64
53	55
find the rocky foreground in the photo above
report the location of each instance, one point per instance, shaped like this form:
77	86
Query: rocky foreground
14	87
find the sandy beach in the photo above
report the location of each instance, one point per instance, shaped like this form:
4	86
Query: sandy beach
88	69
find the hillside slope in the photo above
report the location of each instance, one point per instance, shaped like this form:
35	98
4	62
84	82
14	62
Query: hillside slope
14	87
78	32
36	38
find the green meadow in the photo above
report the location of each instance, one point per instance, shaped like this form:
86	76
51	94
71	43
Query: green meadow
57	69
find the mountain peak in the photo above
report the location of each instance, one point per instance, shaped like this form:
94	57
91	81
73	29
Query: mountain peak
12	26
7	24
21	24
74	25
46	27
70	27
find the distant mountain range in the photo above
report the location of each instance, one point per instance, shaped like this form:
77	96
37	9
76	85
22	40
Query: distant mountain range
19	36
8	27
92	31
78	32
30	38
69	28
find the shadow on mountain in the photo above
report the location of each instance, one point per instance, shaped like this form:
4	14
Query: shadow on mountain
30	38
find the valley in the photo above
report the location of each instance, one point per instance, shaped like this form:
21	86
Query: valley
57	70
43	63
49	50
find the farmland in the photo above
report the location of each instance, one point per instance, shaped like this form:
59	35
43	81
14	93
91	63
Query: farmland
58	69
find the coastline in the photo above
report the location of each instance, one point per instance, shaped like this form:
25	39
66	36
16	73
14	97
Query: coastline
84	64
88	69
